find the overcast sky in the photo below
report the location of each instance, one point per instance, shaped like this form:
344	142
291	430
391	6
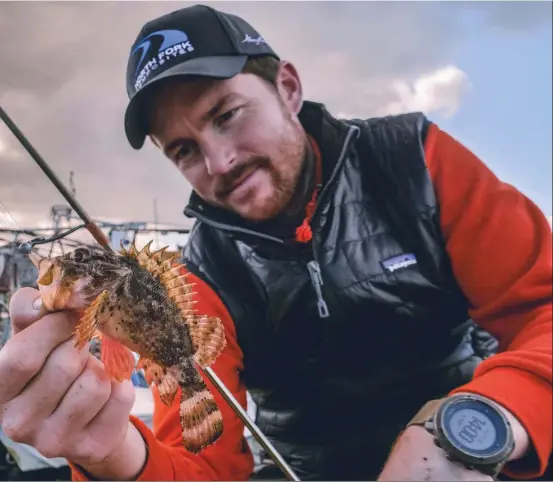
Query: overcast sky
481	70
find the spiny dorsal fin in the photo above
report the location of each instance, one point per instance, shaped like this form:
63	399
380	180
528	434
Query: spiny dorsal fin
158	255
143	257
123	251
207	333
172	277
208	336
154	264
133	252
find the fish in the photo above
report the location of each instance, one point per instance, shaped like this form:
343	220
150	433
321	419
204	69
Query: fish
140	301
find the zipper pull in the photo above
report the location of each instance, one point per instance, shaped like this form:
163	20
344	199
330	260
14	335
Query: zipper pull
317	282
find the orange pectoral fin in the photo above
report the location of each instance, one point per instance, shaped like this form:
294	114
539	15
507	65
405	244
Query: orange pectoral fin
118	360
88	324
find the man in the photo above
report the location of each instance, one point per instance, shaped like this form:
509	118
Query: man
345	259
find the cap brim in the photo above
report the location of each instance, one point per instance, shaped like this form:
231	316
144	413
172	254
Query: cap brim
213	67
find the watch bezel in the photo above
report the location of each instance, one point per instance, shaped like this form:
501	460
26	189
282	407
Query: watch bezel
468	457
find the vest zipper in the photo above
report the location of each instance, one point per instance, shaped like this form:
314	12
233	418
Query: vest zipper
313	266
317	282
352	132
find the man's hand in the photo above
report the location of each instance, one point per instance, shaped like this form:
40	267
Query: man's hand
416	457
59	399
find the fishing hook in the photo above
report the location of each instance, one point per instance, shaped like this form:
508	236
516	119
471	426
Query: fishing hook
26	248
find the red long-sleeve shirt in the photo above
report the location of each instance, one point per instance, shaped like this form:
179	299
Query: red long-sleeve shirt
500	245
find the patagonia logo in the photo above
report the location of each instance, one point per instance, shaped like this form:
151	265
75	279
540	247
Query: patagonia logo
399	262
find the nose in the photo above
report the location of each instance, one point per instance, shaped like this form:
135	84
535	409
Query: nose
219	155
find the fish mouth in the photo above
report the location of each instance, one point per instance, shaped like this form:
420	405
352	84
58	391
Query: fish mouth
58	292
54	294
64	287
48	272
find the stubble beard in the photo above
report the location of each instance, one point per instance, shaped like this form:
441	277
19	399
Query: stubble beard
282	202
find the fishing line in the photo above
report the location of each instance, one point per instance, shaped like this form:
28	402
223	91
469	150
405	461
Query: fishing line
26	247
17	246
5	209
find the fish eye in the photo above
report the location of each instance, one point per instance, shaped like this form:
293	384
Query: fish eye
80	255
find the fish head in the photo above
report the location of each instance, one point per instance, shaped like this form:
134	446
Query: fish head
73	280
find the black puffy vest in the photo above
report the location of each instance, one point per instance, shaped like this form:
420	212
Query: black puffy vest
346	340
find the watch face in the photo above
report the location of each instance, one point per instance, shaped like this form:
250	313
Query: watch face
474	428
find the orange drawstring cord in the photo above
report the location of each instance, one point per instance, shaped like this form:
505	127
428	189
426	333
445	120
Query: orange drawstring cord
303	232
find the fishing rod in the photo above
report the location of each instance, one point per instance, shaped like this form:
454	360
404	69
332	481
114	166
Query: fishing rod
103	241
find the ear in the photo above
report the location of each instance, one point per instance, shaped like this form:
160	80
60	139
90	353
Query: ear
289	86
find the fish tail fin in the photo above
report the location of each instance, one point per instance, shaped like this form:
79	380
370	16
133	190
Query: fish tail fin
201	419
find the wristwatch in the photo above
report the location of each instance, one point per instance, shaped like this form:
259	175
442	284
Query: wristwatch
470	429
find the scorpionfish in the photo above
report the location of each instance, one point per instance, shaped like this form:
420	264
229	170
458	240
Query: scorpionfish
137	301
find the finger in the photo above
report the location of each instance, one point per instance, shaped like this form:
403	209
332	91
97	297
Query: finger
85	398
26	412
25	308
113	418
24	354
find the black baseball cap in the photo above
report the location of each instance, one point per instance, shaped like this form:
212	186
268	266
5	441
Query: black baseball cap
193	41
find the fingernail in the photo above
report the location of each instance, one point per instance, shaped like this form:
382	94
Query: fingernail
37	304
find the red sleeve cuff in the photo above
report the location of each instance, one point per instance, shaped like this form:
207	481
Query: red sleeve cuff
529	399
158	463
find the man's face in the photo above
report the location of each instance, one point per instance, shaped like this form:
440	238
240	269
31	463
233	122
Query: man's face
238	142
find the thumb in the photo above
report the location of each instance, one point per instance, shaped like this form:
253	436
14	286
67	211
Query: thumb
25	308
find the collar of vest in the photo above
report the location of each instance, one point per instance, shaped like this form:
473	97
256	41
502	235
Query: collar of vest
333	137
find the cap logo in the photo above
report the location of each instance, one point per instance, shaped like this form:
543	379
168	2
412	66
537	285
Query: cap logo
251	40
174	43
